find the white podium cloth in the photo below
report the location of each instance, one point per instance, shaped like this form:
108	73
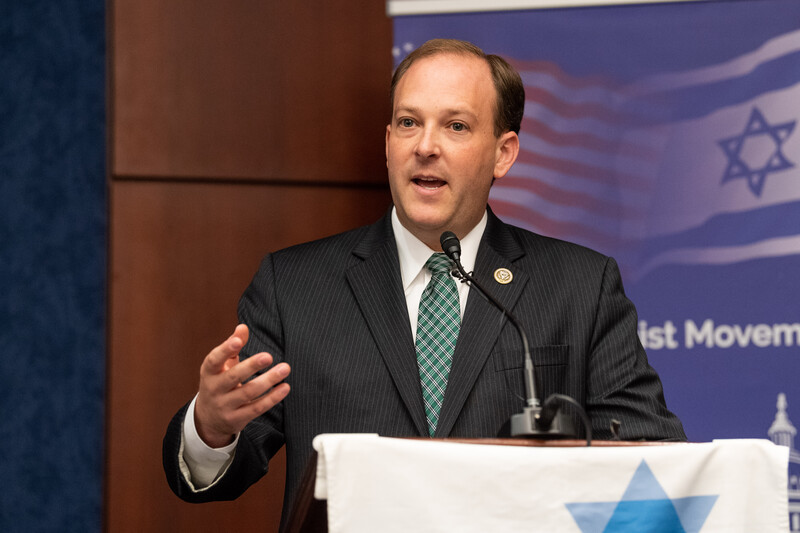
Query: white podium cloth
382	484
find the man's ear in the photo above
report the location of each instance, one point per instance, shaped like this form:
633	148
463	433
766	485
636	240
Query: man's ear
507	152
388	132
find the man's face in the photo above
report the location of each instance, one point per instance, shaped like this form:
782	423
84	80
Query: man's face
441	150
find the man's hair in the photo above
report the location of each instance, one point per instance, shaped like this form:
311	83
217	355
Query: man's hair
510	102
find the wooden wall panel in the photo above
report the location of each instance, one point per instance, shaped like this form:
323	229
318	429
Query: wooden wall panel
235	128
268	90
181	256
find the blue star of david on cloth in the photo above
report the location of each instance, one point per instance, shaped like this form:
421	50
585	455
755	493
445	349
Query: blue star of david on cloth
644	508
744	149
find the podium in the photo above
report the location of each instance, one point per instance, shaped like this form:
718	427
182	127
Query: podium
371	483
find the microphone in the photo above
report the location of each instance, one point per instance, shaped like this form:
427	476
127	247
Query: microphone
451	246
534	421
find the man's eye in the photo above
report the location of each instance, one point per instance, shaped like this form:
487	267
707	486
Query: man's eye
458	126
406	122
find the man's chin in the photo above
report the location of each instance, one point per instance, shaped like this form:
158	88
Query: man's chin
429	224
429	231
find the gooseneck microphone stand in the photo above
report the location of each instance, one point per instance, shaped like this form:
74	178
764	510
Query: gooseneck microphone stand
535	421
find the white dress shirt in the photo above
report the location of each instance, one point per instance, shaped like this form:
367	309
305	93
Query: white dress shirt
201	465
413	255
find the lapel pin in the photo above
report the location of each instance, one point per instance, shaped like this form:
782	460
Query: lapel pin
503	276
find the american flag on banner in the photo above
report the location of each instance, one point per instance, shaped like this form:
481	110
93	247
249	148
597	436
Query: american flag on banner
587	166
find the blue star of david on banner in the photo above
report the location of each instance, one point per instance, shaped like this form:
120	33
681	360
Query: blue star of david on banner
741	161
644	508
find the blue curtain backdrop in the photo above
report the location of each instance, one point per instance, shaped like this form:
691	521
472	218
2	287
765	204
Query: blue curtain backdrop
52	264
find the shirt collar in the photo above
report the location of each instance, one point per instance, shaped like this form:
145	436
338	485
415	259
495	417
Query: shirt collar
413	253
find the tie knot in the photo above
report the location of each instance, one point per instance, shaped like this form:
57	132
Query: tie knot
439	264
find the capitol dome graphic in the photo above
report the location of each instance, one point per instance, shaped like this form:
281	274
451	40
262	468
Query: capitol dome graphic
783	432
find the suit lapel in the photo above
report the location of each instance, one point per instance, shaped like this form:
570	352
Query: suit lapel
377	286
482	322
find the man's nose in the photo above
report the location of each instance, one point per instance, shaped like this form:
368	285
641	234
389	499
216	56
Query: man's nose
428	144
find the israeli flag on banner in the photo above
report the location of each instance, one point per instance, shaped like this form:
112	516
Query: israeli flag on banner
731	159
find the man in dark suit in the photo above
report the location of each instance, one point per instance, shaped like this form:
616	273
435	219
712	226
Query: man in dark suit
343	312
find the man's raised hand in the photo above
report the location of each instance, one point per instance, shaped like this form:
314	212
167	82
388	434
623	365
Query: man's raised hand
227	401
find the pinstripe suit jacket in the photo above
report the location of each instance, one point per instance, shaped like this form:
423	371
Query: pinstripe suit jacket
334	309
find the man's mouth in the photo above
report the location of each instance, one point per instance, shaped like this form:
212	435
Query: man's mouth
429	182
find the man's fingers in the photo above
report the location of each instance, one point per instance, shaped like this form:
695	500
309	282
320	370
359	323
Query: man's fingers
242	372
263	403
214	363
253	399
222	410
258	386
234	421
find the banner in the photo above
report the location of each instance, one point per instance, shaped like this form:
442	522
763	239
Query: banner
666	136
398	485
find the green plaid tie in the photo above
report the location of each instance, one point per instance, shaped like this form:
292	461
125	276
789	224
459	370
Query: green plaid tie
437	331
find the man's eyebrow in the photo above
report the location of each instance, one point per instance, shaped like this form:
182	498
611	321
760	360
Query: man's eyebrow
446	112
406	109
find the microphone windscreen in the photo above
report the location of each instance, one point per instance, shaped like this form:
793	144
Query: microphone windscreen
450	245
